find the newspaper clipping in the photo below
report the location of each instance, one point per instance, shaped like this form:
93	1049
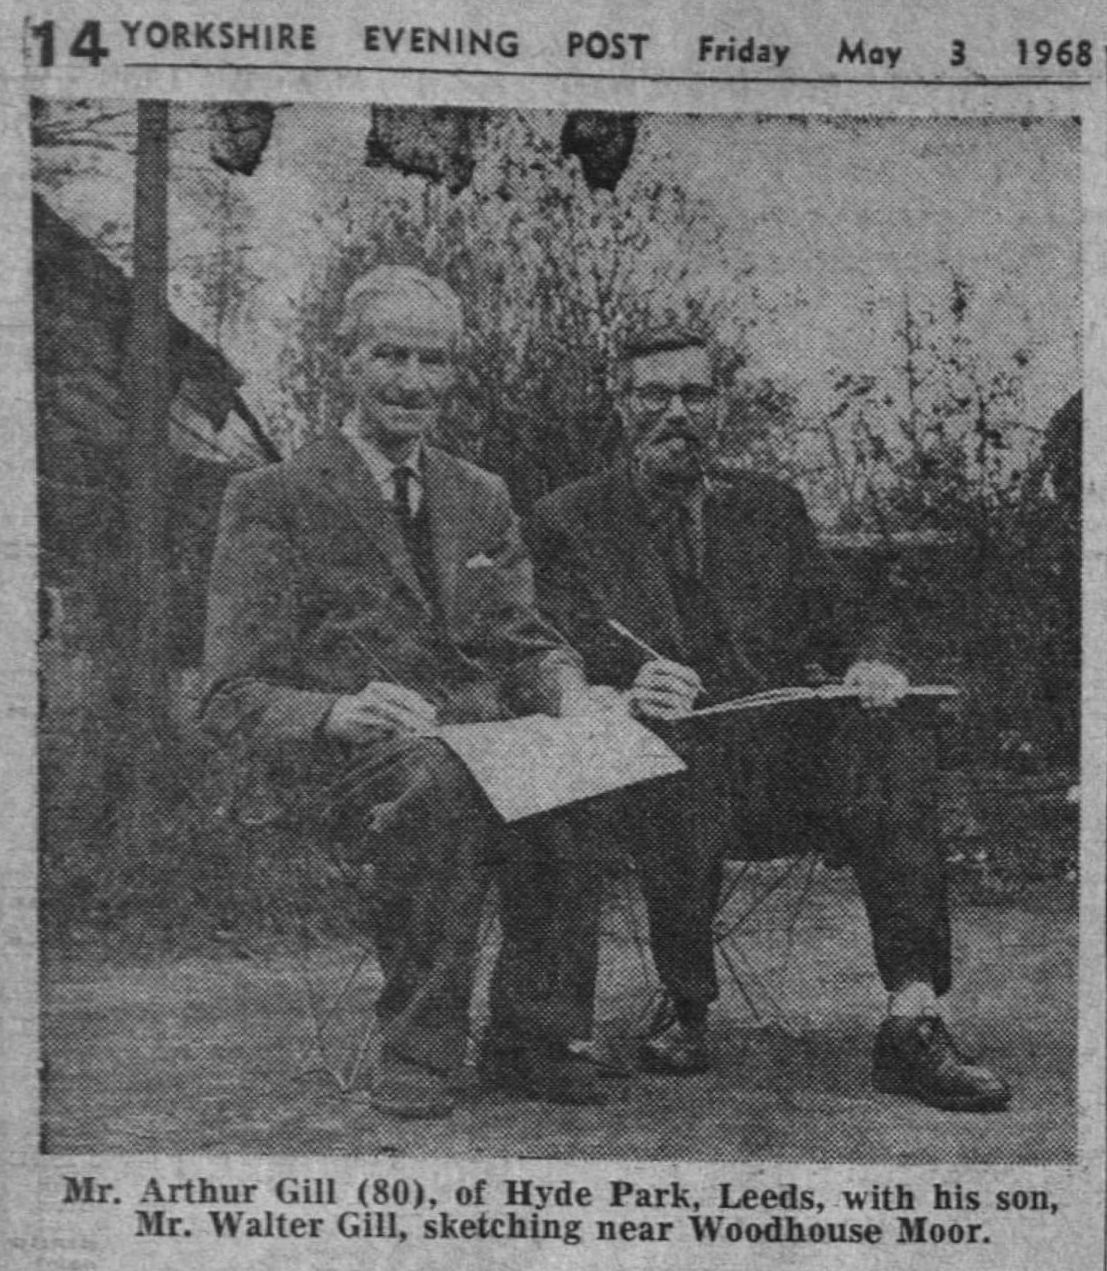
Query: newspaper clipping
553	674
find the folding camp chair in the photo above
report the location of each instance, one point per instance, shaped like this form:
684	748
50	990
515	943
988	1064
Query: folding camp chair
317	902
774	865
751	968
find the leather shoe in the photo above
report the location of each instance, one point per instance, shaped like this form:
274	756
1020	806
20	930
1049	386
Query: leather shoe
405	1089
603	1060
680	1050
541	1070
917	1056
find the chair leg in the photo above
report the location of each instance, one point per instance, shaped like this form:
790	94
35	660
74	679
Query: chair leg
761	1001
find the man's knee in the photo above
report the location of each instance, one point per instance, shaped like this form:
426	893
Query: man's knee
423	784
436	777
434	762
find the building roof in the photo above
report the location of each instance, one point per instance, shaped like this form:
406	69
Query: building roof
82	314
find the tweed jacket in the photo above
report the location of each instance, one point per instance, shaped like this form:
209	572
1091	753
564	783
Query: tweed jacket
313	593
776	591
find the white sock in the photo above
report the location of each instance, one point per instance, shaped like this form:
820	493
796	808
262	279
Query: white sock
913	999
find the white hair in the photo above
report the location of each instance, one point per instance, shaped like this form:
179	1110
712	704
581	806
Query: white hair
389	282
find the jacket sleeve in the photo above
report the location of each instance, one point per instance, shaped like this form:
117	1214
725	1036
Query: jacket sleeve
535	660
571	598
839	623
251	657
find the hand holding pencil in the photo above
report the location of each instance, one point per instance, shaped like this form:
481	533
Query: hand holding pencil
662	689
665	690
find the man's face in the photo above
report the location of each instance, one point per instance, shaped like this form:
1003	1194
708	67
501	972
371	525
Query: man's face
670	414
400	370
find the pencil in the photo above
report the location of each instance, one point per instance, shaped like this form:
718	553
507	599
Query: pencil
619	629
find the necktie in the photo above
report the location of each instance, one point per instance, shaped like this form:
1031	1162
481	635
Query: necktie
686	553
415	530
402	477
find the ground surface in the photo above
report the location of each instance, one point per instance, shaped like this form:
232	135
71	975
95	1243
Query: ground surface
190	1054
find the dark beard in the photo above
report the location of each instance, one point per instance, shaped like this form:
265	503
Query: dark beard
678	480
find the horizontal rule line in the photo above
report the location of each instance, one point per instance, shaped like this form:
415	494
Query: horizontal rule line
658	79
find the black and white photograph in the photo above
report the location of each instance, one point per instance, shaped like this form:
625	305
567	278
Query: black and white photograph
559	632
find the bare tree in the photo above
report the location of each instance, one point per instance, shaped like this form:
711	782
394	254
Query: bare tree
552	274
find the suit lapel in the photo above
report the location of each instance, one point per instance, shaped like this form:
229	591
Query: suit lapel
343	477
642	580
446	514
734	551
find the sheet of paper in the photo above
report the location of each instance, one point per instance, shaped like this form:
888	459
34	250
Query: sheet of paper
538	763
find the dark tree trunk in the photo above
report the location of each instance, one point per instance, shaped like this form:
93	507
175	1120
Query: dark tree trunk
144	662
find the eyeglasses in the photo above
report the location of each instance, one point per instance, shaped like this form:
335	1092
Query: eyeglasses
432	359
656	397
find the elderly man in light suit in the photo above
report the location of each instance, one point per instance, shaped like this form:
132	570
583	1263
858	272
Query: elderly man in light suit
363	591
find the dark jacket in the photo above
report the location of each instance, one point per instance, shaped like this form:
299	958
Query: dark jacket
313	594
775	590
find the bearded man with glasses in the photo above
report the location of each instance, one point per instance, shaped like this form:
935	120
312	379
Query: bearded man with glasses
685	586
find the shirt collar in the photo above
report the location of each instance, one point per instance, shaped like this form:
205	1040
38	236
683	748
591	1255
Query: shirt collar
659	506
378	462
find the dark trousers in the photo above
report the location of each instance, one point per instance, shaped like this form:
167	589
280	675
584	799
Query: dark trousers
858	787
436	844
